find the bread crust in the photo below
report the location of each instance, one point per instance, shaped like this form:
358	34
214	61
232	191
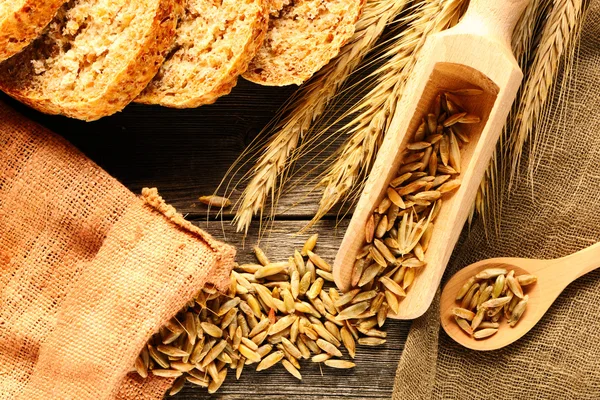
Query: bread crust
21	25
155	92
269	67
125	86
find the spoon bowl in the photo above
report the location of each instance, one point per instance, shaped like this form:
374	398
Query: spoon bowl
553	276
506	334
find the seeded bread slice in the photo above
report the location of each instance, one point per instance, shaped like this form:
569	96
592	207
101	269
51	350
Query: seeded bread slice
215	42
21	21
94	58
305	36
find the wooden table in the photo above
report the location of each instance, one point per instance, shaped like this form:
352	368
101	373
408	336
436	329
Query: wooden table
185	154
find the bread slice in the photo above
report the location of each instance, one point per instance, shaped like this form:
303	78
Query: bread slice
94	58
215	42
276	6
305	36
21	21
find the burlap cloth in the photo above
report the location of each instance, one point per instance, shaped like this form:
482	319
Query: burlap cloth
557	214
88	271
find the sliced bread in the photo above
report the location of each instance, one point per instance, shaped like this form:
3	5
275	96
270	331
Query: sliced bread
21	21
94	58
276	6
302	39
215	42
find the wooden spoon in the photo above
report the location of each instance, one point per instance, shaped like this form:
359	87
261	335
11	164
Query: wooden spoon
475	53
553	277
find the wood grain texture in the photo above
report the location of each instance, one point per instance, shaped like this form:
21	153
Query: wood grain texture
184	153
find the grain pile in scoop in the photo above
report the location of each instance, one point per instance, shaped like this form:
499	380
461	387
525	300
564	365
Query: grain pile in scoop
398	232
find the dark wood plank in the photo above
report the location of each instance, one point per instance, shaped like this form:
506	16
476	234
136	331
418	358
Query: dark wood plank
373	376
185	153
371	379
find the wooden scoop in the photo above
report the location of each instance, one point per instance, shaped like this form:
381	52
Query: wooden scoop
553	276
475	53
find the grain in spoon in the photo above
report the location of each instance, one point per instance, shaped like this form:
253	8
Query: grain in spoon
553	276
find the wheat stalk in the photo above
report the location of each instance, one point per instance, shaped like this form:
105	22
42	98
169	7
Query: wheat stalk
526	30
376	109
307	105
559	34
525	35
547	32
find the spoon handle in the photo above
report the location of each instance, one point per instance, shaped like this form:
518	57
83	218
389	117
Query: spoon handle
583	261
492	18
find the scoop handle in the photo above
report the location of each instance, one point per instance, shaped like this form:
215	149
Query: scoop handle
492	18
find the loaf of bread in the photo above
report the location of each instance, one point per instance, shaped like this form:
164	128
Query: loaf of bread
94	58
215	42
302	39
21	21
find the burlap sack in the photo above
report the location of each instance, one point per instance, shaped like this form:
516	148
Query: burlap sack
558	215
88	271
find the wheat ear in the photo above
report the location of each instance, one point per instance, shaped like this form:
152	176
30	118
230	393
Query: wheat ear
307	104
526	34
375	110
559	34
547	31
